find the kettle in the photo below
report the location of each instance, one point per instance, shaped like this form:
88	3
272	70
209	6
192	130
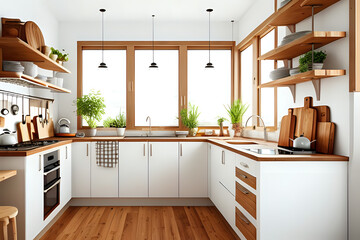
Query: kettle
8	138
64	125
302	142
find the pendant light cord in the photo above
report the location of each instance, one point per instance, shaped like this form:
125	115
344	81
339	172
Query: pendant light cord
102	36
153	37
232	30
209	36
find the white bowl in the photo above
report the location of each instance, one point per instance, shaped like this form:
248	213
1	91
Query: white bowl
60	82
52	80
279	73
30	69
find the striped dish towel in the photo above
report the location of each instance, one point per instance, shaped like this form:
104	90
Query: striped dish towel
107	154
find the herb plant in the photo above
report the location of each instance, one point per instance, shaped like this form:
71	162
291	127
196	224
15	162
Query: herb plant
306	59
189	117
118	122
221	120
64	57
236	111
91	107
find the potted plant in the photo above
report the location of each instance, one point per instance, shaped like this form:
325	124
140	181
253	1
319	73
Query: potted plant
306	63
54	54
58	56
119	123
91	107
220	122
236	112
189	118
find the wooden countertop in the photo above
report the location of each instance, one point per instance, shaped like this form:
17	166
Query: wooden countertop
5	174
219	141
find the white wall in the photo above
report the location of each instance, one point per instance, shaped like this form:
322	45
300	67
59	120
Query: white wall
71	32
30	11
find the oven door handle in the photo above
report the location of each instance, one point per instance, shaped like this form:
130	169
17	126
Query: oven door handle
52	170
52	186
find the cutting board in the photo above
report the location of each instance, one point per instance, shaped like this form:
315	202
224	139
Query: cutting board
41	130
306	119
325	135
34	36
50	128
2	121
30	127
23	132
287	129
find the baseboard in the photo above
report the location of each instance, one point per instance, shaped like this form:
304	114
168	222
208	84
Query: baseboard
141	202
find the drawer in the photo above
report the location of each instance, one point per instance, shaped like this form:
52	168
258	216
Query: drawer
246	199
246	177
244	225
248	165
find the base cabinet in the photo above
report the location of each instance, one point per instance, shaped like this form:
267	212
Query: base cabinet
81	169
65	174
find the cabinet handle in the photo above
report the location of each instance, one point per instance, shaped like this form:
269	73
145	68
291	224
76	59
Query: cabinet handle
66	156
244	191
244	165
144	150
180	149
243	176
39	163
87	149
150	150
244	219
223	158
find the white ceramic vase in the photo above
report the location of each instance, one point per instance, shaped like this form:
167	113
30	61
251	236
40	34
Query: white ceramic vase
120	132
92	132
317	66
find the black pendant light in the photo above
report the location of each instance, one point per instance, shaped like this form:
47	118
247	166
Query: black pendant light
153	64
209	64
102	64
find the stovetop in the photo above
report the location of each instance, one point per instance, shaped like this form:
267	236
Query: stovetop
25	146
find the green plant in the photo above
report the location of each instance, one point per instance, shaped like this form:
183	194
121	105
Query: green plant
189	117
118	122
64	57
236	111
306	59
91	107
221	120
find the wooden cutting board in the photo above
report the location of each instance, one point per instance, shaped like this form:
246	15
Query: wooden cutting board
23	132
30	126
2	121
306	120
325	135
41	130
34	36
50	128
287	129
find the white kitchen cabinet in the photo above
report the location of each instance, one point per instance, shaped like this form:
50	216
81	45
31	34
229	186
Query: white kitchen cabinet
104	180
163	169
133	169
193	171
80	156
65	174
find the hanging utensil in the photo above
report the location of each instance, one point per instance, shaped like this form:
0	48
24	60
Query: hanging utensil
14	107
47	112
23	111
4	110
40	111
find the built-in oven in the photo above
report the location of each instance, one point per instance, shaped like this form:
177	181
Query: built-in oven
51	182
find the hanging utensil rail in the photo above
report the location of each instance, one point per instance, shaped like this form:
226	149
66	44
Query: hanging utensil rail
26	95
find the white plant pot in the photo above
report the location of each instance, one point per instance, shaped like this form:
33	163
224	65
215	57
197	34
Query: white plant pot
92	132
120	132
317	66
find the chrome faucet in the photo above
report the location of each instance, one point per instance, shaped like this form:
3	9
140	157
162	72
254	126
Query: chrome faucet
149	132
265	135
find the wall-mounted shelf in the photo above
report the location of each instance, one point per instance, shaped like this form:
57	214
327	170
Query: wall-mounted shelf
297	10
315	76
302	45
15	49
27	81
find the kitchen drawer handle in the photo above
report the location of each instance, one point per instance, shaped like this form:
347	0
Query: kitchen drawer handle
39	163
150	150
52	170
144	150
87	149
180	149
244	219
244	165
244	191
223	158
66	151
52	186
243	176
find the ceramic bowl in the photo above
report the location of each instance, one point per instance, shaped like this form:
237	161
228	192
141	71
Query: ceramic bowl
279	73
30	69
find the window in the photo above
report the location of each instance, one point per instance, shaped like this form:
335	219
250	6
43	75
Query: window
247	80
111	82
157	90
209	89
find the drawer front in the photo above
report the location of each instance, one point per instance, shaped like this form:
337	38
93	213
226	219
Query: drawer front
248	165
244	225
246	178
246	199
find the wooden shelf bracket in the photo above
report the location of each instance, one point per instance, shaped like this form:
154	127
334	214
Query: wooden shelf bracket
316	85
293	91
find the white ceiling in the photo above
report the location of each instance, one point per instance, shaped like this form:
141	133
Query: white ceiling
141	10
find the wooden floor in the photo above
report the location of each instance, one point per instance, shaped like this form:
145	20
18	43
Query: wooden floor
141	223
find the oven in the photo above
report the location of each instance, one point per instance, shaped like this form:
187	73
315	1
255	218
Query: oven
51	182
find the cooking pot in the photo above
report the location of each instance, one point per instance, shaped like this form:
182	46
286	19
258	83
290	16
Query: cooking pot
302	142
8	138
64	125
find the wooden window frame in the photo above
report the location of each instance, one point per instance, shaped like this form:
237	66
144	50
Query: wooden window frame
354	47
130	47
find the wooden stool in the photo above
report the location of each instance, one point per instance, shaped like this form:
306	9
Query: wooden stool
8	214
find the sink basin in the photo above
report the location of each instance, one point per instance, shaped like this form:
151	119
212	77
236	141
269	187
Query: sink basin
240	142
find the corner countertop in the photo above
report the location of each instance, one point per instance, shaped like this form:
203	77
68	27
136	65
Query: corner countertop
219	141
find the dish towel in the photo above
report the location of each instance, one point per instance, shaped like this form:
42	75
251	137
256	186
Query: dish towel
107	154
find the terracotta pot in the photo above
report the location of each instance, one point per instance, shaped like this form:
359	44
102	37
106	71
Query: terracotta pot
193	132
238	129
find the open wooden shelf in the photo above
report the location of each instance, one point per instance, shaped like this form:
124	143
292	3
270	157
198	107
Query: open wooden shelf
27	81
15	49
297	10
302	45
5	174
304	77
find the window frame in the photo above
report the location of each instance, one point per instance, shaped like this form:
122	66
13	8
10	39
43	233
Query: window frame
130	47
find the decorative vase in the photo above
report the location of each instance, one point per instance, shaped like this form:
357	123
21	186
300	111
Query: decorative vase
53	56
221	130
237	129
92	132
193	132
120	132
